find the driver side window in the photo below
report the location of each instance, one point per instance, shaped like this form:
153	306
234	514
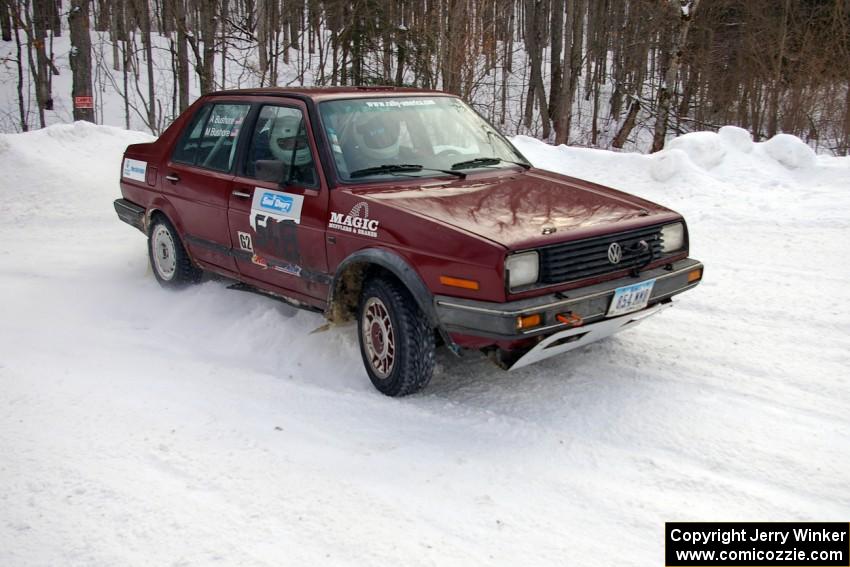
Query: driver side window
279	150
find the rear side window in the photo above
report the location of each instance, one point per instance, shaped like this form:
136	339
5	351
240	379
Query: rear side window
210	139
188	144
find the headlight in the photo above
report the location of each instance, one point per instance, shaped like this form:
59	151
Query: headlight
522	269
673	237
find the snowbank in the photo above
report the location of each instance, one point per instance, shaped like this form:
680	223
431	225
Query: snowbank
736	138
141	426
63	170
705	149
790	151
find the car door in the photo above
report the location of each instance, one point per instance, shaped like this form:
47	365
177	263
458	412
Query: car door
278	206
198	179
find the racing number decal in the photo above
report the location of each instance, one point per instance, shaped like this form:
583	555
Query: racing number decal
245	241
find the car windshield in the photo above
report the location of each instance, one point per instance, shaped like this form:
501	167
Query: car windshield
423	136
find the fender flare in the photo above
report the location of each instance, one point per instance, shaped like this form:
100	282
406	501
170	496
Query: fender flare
398	266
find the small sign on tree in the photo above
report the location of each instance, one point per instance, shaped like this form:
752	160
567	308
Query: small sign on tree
83	102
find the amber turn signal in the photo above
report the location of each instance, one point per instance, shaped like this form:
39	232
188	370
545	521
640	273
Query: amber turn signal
528	321
459	282
694	275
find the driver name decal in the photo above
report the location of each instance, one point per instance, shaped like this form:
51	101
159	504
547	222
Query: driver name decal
357	221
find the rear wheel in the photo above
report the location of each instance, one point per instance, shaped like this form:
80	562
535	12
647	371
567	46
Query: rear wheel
169	260
396	340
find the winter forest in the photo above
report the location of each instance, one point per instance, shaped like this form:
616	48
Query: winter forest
597	73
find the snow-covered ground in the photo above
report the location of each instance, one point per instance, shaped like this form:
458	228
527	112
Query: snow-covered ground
140	426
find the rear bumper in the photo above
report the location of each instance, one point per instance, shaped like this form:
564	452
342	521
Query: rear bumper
131	213
498	321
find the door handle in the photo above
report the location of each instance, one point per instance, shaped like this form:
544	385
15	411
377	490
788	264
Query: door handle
173	177
241	194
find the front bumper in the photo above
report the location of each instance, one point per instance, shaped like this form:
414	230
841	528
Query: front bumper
498	321
563	341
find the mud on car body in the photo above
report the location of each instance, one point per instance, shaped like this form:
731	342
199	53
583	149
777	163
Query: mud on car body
404	210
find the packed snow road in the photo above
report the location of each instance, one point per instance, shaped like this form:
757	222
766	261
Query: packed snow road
140	426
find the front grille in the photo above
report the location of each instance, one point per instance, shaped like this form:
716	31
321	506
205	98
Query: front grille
588	258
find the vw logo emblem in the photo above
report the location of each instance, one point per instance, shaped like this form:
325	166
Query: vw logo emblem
615	253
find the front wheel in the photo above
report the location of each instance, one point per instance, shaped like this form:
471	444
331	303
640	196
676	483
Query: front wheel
396	340
169	260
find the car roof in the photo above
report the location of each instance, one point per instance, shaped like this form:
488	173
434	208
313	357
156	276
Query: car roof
330	93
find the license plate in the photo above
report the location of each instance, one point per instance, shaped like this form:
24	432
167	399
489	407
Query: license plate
630	298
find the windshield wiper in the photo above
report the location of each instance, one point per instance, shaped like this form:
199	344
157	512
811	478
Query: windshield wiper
485	161
399	168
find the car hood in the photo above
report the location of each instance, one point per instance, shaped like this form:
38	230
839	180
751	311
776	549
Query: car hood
525	209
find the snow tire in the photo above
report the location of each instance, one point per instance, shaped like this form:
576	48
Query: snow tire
396	340
171	265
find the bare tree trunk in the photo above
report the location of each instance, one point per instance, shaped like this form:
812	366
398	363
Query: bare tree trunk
80	59
756	113
576	10
207	72
125	64
387	47
343	65
617	63
594	123
5	20
102	15
847	122
506	27
262	39
334	58
40	21
591	27
527	15
628	124
223	23
776	87
534	17
19	64
323	56
690	83
54	7
505	72
556	68
114	35
452	39
356	39
145	22
275	49
172	49
401	55
663	111
182	55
